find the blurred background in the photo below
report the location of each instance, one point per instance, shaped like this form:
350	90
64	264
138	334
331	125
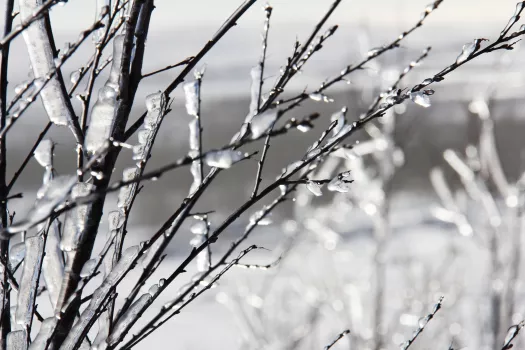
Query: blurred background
326	282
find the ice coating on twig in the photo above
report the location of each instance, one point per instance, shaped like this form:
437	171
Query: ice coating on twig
512	332
200	230
44	153
76	220
89	268
261	218
47	328
17	340
17	253
468	50
314	187
256	75
262	122
192	93
100	297
102	120
126	193
53	264
49	197
128	319
420	98
223	159
156	107
29	281
40	53
339	183
98	34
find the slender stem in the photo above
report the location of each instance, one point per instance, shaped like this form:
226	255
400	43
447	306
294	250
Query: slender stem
5	321
171	66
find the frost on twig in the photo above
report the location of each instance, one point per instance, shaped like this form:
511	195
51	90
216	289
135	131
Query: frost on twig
39	47
29	282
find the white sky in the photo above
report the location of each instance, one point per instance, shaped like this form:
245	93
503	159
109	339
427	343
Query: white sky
184	13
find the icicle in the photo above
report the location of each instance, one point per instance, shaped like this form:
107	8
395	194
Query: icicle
192	93
339	183
89	268
468	50
156	105
114	220
125	193
76	220
197	240
17	253
262	122
28	284
314	187
194	134
100	296
74	77
223	159
420	98
53	264
128	319
49	197
102	120
256	75
199	228
17	340
195	170
44	153
153	290
203	261
40	53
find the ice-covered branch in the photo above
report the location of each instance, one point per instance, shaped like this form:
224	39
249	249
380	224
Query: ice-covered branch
422	323
40	47
339	337
41	81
